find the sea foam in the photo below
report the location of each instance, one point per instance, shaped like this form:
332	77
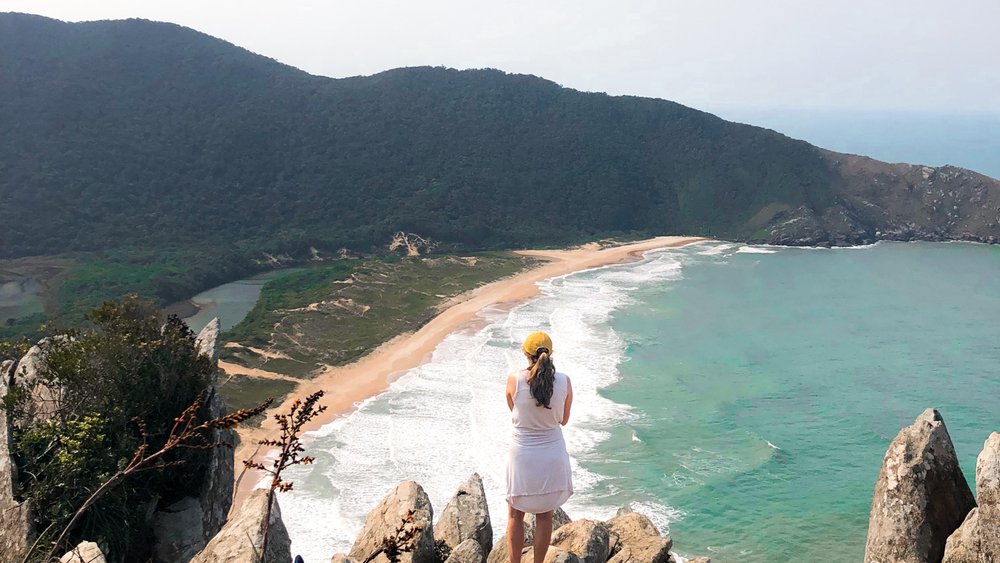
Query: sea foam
447	418
755	250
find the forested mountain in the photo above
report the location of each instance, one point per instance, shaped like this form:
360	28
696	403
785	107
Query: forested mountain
139	136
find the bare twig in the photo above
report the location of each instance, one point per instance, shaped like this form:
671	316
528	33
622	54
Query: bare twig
186	433
401	542
290	452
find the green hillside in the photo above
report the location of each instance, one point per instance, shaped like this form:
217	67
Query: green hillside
154	146
132	133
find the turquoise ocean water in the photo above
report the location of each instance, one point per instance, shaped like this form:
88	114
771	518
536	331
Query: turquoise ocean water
742	397
770	385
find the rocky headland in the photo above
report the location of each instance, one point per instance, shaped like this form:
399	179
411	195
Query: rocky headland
876	200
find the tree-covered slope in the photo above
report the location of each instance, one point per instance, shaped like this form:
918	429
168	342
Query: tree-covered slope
129	133
125	135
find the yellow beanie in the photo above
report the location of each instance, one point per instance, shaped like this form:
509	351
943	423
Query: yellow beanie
536	340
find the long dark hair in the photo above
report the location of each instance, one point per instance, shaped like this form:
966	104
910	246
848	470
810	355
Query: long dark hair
541	377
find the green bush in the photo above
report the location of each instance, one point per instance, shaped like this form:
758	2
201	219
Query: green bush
133	366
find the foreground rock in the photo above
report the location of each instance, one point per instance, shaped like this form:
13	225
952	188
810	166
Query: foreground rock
388	517
921	496
467	516
16	529
178	531
978	539
559	519
216	494
44	400
86	552
499	552
242	537
207	341
553	555
588	539
469	551
185	527
633	538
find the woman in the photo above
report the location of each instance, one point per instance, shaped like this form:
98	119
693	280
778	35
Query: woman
539	478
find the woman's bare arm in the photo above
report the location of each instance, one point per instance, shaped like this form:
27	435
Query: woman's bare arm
569	402
511	389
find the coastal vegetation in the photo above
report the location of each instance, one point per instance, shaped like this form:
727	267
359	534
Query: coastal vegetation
71	285
83	406
334	314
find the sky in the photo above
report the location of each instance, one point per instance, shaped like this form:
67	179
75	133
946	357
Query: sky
717	55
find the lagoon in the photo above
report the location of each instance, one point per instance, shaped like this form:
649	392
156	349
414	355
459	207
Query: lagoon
230	302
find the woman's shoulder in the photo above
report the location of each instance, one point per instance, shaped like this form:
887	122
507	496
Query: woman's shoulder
562	376
517	374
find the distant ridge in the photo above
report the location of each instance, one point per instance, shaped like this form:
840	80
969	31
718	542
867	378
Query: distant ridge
135	134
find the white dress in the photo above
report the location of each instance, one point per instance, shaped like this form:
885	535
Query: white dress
539	477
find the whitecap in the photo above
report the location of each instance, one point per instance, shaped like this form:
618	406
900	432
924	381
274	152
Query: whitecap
717	249
755	250
446	419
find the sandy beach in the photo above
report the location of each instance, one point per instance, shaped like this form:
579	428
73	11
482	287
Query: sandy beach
348	385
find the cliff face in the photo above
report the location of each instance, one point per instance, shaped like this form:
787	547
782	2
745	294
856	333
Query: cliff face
879	201
16	527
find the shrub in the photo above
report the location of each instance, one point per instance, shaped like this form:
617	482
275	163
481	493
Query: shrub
131	365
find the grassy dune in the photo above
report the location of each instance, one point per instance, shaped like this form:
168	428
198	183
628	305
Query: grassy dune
336	313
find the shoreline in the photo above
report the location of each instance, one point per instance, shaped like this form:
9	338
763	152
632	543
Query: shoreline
183	309
350	384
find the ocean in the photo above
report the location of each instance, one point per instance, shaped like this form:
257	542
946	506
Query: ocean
742	397
968	140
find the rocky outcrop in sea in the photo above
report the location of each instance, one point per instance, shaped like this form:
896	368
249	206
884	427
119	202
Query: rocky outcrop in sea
872	201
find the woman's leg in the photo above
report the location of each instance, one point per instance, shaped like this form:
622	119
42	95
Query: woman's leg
543	534
515	533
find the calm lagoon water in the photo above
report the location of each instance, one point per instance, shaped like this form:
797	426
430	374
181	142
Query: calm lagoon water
230	302
19	298
743	397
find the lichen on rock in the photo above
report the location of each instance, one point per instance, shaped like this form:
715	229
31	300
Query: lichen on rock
977	540
466	516
921	495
